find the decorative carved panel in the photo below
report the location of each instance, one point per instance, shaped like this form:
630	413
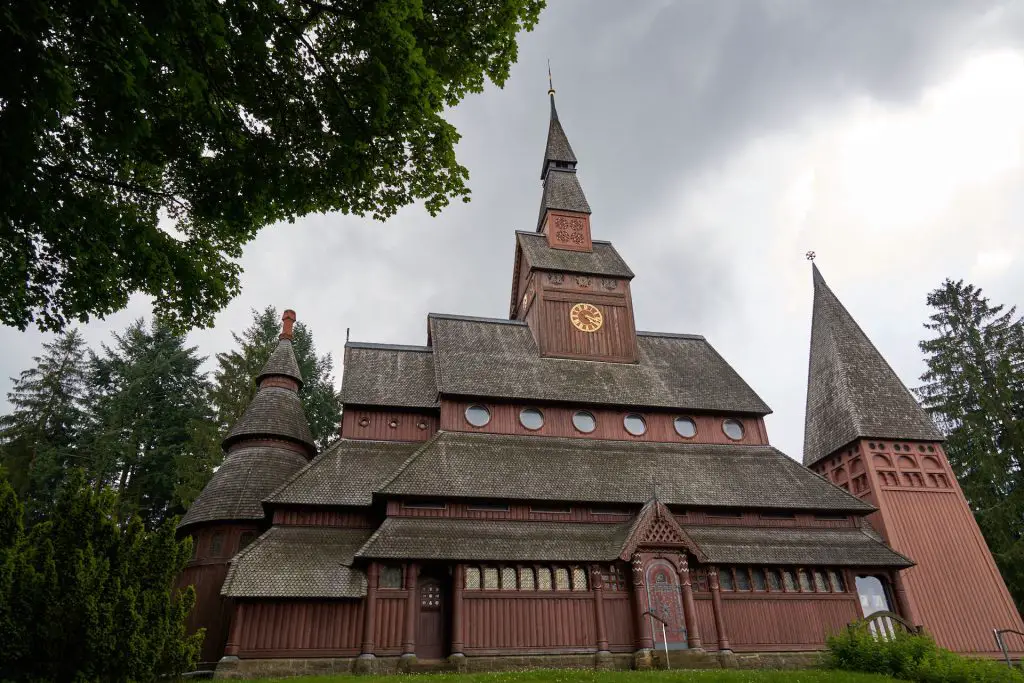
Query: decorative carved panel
569	231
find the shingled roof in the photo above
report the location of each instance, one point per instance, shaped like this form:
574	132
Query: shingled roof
243	480
274	412
499	358
604	260
494	540
298	562
557	148
388	375
347	473
562	192
791	546
852	392
282	362
468	465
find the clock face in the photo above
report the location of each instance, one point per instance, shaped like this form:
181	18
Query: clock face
586	317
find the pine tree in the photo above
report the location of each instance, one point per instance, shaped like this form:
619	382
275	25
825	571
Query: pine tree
83	597
235	376
38	440
153	438
974	389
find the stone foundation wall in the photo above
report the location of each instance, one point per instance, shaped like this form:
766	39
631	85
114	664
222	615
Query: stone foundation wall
679	659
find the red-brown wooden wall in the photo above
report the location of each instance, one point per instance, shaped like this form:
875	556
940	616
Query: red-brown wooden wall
388	425
314	628
558	422
517	623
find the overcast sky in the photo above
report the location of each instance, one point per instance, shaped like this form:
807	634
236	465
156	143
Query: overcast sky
718	141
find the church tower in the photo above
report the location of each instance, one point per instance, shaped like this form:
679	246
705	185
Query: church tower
866	433
572	290
268	444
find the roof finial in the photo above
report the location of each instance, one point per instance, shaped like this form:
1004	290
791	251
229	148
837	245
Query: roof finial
551	86
287	320
810	255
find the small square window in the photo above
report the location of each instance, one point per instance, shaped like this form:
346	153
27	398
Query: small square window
550	509
579	579
544	582
836	579
789	580
508	578
805	581
526	581
473	578
760	583
725	580
216	544
821	581
390	576
561	579
491	578
774	581
742	579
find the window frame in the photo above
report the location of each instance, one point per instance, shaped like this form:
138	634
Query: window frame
688	418
592	417
533	409
743	430
483	407
634	416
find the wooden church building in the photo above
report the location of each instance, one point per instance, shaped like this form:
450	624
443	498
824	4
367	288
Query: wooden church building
559	488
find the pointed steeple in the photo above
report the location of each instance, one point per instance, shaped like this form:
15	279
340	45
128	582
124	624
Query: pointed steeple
562	191
852	392
269	443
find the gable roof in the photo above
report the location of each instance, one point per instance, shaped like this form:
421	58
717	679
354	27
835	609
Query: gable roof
469	465
347	473
655	525
499	358
604	260
852	392
298	562
242	481
388	375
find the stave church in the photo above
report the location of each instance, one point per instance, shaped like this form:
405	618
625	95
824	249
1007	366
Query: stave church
558	488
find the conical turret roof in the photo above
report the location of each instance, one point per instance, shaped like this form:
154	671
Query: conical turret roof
852	392
562	190
557	148
282	363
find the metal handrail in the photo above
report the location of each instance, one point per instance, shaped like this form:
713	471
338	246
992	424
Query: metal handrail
664	636
998	633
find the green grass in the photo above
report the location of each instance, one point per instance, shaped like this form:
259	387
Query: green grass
592	676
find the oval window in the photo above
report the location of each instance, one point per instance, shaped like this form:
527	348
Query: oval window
634	424
584	422
478	415
531	418
686	427
733	429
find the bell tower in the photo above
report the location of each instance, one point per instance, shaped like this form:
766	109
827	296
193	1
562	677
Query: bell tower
572	290
866	433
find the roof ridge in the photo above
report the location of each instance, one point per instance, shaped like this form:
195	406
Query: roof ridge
388	347
671	335
476	319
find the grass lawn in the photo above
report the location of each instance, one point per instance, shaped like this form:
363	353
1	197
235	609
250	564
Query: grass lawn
591	676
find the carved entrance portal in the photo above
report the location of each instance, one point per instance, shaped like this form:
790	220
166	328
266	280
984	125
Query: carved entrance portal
664	595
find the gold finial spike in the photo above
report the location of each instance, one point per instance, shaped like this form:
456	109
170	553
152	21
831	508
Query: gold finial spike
810	255
551	87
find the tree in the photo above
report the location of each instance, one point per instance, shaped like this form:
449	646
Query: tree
974	389
152	436
38	440
235	376
222	116
85	598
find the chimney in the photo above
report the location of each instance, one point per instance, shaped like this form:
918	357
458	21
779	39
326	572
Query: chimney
287	320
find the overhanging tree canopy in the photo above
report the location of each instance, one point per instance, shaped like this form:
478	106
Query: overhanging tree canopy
225	116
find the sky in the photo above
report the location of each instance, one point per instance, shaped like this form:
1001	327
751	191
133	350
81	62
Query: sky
718	142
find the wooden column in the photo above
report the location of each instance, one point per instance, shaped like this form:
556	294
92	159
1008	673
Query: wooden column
902	601
370	613
716	605
235	634
457	589
644	641
411	609
689	608
597	583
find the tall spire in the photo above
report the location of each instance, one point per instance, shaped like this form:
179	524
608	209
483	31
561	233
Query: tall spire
562	191
852	392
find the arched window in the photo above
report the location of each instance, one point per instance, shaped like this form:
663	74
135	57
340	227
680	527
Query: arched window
873	595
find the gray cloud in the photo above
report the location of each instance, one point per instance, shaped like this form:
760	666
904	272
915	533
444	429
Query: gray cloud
656	98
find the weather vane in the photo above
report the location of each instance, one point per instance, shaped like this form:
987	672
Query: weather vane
551	87
811	255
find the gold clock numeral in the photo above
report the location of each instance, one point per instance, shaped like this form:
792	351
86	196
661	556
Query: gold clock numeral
586	317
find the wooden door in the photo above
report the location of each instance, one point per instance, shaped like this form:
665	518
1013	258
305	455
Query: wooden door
430	636
664	596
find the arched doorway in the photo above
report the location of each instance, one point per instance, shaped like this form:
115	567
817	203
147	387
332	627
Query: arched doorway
664	595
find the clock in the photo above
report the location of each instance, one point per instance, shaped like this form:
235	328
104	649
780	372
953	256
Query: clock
586	317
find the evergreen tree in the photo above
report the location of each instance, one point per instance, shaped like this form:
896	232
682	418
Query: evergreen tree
38	440
235	376
152	436
85	598
974	389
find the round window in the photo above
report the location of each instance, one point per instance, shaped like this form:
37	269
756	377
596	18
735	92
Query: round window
478	415
635	424
584	422
531	418
733	429
686	427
